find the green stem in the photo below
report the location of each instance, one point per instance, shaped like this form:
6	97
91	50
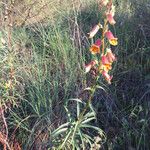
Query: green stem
89	101
103	35
87	104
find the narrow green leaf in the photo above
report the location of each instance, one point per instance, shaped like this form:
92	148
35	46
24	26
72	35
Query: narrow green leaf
88	120
65	125
59	132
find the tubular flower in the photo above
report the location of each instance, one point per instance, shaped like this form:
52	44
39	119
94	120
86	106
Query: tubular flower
105	60
106	64
90	65
110	18
95	48
95	30
112	40
106	68
110	56
107	76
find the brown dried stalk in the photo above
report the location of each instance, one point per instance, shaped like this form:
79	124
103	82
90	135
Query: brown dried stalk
4	136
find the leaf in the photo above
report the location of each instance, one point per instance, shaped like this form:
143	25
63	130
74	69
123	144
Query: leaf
76	99
88	89
78	109
93	127
88	120
68	114
100	87
88	139
90	114
65	140
82	140
65	125
60	131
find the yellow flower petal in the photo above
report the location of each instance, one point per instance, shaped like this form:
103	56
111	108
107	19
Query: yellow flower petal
94	49
113	41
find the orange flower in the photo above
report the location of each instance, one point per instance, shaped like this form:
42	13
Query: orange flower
106	68
112	40
95	30
90	65
95	48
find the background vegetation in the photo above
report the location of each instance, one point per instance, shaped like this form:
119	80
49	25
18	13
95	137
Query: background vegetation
42	66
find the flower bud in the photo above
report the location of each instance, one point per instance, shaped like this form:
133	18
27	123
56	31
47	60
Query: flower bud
95	30
110	18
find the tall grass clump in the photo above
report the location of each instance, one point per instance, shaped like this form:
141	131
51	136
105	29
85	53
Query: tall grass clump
50	73
46	69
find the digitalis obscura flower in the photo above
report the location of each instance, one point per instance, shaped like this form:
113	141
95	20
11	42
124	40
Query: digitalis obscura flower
107	77
95	30
110	56
90	65
106	64
95	48
105	60
106	67
110	14
110	18
112	40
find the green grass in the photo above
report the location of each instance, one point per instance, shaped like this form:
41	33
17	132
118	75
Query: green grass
50	72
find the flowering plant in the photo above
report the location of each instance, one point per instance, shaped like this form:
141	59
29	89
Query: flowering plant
103	55
74	134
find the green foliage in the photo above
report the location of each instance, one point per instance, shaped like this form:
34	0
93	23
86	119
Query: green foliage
50	69
78	134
